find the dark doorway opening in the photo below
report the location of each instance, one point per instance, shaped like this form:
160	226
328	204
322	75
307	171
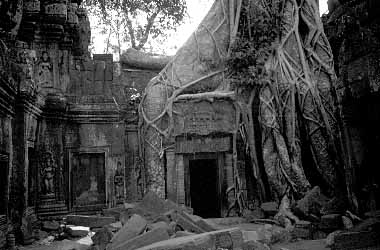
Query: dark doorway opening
204	186
88	180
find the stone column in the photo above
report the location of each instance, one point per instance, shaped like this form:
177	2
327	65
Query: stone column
180	167
171	175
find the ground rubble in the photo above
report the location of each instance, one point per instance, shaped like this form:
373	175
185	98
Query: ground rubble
155	224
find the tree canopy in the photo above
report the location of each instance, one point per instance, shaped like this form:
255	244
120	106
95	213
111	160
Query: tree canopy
139	20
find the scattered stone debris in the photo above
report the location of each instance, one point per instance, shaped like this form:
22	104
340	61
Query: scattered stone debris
89	221
50	225
157	224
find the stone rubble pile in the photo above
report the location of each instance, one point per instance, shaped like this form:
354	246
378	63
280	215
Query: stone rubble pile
155	224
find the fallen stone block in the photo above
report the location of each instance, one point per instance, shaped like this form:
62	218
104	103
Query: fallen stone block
371	224
372	214
26	230
302	230
228	221
223	239
250	236
330	222
115	226
113	212
151	202
254	245
102	238
251	215
150	237
39	234
186	223
163	225
330	239
356	240
204	225
183	234
311	203
77	231
134	226
50	225
271	234
347	222
89	221
269	208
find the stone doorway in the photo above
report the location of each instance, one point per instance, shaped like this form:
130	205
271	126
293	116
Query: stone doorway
88	180
204	187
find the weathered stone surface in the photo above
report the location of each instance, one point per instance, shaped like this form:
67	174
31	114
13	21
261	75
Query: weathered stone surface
270	234
150	237
250	235
311	203
134	226
302	230
254	245
372	214
102	238
39	234
115	226
50	225
183	234
334	206
204	225
347	222
185	222
251	215
226	221
269	208
115	212
89	221
330	222
370	224
330	239
163	225
151	202
356	240
77	231
26	232
223	239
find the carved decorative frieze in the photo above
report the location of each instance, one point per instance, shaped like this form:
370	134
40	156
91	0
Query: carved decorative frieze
56	12
204	118
32	7
72	17
203	145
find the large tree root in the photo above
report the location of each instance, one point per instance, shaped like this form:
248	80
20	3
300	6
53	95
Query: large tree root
299	93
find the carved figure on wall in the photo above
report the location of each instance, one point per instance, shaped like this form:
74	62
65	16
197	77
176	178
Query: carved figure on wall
139	175
119	182
47	173
45	69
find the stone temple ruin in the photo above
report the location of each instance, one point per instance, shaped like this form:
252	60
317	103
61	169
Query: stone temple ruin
95	141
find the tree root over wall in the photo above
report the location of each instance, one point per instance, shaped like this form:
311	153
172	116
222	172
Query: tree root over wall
298	95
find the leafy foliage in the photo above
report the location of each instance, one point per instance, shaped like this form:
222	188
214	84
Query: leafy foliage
141	19
259	29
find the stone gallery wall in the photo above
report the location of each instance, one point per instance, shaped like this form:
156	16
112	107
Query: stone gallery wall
60	109
353	30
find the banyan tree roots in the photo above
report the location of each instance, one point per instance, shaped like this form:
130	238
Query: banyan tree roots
298	95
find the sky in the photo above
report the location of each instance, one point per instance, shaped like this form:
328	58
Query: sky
197	9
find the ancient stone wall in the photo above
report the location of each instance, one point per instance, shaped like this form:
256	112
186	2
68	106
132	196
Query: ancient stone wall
353	30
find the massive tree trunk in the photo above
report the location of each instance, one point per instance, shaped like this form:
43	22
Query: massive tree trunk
298	94
197	67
